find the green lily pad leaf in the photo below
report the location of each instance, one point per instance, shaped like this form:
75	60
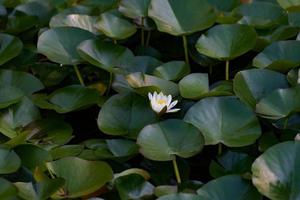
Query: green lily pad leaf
280	103
105	55
290	5
221	88
276	172
11	46
133	186
141	172
176	17
18	22
59	44
261	15
9	95
228	187
8	190
224	8
82	177
21	80
224	120
41	9
18	116
66	151
115	149
69	98
49	132
39	191
230	163
134	8
9	161
125	114
194	86
254	84
145	64
38	156
164	140
50	74
81	21
172	71
143	83
294	18
266	37
113	25
280	56
226	42
179	196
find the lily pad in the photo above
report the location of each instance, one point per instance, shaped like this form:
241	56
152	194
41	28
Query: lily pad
224	120
280	103
67	99
172	71
17	116
59	44
8	190
82	177
225	10
254	84
176	17
11	46
290	5
134	8
133	186
9	161
261	15
114	26
179	196
26	82
82	21
9	95
227	188
125	114
194	86
276	172
143	84
104	54
230	163
226	42
280	56
165	140
37	158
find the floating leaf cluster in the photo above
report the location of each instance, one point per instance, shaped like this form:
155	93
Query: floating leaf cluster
149	99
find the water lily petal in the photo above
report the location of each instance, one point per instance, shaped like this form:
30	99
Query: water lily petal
173	110
173	104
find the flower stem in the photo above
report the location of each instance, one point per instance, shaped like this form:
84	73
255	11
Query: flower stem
79	76
177	174
286	123
148	38
186	53
115	41
220	149
109	83
142	32
227	71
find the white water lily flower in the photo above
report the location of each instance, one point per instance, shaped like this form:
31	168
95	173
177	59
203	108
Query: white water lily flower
162	103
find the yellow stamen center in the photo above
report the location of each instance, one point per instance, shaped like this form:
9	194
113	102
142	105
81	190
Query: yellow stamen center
161	101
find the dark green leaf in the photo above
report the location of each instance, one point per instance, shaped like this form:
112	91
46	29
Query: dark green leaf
164	140
125	114
224	120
